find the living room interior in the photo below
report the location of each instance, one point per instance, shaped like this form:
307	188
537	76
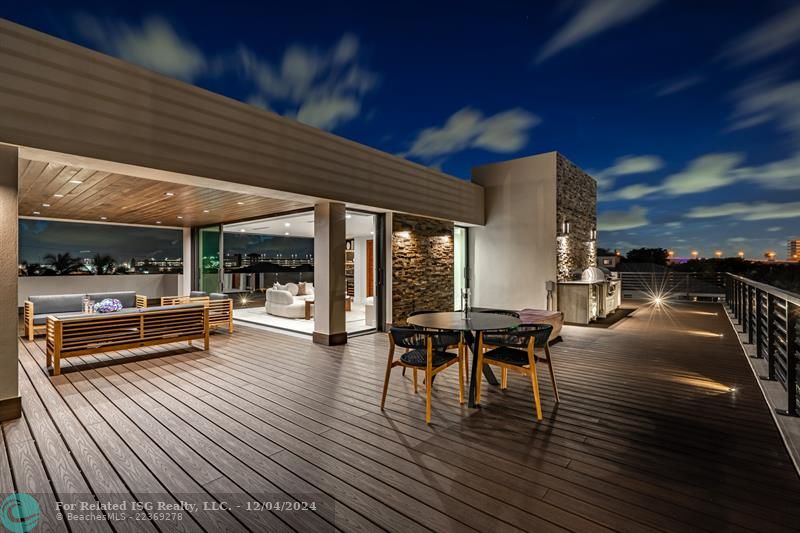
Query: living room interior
269	269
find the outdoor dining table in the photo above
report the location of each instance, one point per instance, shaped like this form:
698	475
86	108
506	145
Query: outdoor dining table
470	324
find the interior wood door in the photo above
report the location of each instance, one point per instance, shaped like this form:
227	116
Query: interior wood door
370	268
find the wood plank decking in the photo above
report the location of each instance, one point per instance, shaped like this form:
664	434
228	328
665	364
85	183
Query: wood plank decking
648	436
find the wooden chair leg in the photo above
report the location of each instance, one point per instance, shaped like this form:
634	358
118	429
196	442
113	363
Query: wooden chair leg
428	398
535	385
504	378
386	380
478	377
552	374
461	376
414	378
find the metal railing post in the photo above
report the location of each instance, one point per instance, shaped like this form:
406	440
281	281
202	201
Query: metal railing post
759	327
791	359
771	336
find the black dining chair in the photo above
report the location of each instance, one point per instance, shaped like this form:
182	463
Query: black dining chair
515	350
425	350
503	371
425	312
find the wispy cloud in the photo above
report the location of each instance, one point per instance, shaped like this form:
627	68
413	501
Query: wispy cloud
775	35
619	220
505	132
594	17
748	211
676	86
627	165
154	45
322	88
768	99
704	173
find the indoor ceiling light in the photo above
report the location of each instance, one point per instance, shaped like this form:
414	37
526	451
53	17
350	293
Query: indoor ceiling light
348	216
239	203
45	205
158	222
103	218
58	195
287	233
36	213
169	194
76	182
180	216
242	230
287	224
205	210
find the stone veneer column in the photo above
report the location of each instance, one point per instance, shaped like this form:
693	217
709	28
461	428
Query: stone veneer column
9	271
329	281
422	265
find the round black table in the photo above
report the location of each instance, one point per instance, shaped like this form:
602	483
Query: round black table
471	324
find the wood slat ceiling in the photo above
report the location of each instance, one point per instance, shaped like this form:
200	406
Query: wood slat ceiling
55	190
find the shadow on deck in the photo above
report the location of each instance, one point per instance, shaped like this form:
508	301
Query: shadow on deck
661	427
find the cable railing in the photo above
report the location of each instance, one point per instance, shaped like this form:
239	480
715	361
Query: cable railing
672	284
769	318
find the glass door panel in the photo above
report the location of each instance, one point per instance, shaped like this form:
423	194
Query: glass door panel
210	252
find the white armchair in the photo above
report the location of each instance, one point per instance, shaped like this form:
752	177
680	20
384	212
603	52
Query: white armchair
285	302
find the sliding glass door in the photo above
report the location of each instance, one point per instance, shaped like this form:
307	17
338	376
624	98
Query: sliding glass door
460	280
209	255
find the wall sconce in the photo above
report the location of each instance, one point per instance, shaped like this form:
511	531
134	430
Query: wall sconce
403	234
565	227
593	235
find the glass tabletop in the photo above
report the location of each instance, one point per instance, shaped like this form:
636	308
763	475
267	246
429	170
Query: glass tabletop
456	321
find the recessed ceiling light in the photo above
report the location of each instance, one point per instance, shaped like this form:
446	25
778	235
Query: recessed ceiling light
36	213
180	216
76	182
287	233
45	205
205	210
242	230
348	216
103	218
169	194
239	203
373	233
287	224
58	195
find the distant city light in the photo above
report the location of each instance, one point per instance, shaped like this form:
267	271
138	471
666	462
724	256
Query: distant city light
718	253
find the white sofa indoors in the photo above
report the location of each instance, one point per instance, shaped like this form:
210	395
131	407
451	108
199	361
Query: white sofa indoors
283	300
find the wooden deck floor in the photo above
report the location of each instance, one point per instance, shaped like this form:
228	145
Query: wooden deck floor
647	437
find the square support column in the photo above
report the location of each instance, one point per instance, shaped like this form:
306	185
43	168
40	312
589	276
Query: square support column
188	263
10	405
329	282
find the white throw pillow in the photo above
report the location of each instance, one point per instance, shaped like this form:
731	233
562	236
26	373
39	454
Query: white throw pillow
292	288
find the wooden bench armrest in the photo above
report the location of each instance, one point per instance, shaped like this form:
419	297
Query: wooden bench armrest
141	301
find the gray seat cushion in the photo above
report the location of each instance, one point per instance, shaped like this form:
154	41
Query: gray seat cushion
126	298
57	303
41	319
218	296
168	307
197	294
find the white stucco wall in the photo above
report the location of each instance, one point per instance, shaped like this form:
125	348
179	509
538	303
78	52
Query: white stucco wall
150	285
514	254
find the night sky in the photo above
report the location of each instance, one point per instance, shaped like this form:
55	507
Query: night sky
687	113
38	238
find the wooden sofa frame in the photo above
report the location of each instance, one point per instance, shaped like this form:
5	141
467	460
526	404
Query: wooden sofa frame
220	312
31	329
95	333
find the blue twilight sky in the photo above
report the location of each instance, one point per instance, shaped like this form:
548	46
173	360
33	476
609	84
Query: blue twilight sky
687	112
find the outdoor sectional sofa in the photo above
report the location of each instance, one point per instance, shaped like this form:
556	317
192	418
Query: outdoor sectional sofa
37	308
71	334
220	307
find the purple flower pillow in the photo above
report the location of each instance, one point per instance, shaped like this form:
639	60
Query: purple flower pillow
108	305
